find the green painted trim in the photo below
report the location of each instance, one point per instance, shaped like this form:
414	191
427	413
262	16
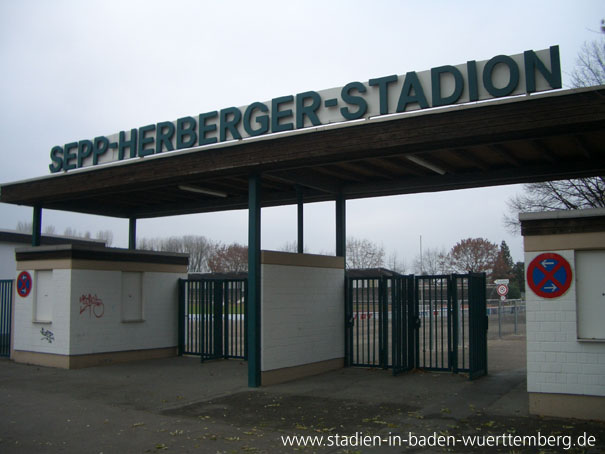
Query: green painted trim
300	219
353	100
438	99
84	151
37	226
533	63
473	86
254	296
262	120
206	128
132	233
164	135
100	146
230	118
142	149
341	226
309	111
411	84
512	82
69	156
186	136
383	89
56	158
277	114
131	143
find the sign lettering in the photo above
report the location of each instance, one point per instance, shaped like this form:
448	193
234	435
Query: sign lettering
442	86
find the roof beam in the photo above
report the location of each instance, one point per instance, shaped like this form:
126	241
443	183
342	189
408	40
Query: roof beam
305	178
505	154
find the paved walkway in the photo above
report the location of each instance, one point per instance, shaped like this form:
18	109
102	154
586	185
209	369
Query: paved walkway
179	405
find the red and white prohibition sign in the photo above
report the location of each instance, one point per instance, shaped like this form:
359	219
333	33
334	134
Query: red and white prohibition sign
549	275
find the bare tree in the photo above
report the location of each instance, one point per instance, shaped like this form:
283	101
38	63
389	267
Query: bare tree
434	261
232	258
199	248
362	253
105	235
292	246
394	263
474	255
566	194
590	65
555	195
24	227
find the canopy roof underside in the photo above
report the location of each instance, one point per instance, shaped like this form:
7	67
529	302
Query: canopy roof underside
524	139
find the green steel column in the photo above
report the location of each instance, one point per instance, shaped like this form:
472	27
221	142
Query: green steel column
341	221
132	233
253	316
299	197
37	226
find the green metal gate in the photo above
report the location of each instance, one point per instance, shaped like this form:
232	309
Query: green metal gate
426	322
6	308
212	318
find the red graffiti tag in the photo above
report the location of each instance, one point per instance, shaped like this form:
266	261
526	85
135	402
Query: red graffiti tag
94	305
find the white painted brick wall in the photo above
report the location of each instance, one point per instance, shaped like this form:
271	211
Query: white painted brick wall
556	361
27	334
91	334
302	315
83	333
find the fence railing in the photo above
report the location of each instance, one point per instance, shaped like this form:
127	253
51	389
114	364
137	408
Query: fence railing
505	318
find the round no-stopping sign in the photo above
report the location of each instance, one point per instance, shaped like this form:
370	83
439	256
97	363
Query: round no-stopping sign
502	290
549	275
24	284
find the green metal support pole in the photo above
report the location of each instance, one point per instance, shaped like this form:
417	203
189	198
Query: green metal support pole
300	200
37	226
254	301
132	233
341	221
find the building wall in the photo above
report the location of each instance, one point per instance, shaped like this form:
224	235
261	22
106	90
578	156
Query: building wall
7	260
557	362
566	373
98	322
87	312
302	313
44	336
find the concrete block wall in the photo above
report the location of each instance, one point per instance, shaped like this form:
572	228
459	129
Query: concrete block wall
302	312
557	362
84	294
110	332
29	333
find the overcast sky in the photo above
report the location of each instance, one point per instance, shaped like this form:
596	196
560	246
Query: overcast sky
74	70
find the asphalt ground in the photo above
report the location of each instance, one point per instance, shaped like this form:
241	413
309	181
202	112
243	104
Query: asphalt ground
183	406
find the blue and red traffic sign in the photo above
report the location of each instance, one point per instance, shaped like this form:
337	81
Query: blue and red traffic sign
549	275
24	284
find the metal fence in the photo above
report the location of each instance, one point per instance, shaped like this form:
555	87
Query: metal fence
6	307
506	318
213	318
433	319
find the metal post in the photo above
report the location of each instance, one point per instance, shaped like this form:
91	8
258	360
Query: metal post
341	221
516	309
37	226
254	297
132	233
300	217
499	318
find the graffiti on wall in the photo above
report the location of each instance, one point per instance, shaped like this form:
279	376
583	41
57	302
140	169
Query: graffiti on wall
93	304
47	335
